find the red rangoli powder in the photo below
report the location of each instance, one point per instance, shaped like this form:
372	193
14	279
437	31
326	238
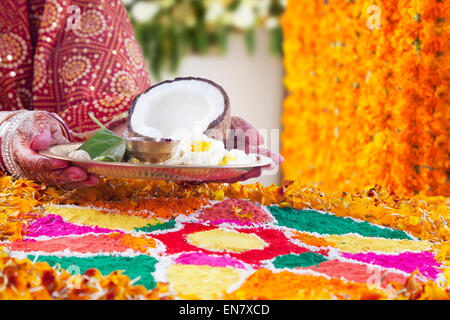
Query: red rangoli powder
277	242
89	243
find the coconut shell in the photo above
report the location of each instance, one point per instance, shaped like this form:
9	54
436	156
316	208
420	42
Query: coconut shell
218	129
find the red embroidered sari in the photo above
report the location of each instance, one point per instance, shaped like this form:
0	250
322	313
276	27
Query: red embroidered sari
69	57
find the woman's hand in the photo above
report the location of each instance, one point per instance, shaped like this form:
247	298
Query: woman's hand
247	138
38	132
251	141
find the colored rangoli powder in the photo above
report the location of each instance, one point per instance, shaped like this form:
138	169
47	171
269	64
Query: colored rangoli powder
267	285
141	244
236	222
310	239
407	261
93	217
278	244
163	226
139	266
315	221
84	244
291	261
235	210
359	244
54	226
302	255
357	272
201	282
198	258
223	239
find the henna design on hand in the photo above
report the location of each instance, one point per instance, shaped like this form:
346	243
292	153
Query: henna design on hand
39	131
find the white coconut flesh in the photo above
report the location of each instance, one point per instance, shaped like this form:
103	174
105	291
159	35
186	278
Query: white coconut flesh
176	109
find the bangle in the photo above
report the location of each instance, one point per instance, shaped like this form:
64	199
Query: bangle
9	116
3	129
8	130
2	163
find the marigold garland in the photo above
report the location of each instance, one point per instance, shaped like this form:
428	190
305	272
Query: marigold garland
368	106
166	208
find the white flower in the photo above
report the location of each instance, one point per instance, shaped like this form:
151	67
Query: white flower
215	11
272	23
125	2
144	11
244	17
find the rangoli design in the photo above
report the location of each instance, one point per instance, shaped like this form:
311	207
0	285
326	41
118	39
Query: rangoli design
201	248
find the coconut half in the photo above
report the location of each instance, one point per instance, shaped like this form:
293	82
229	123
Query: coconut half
177	108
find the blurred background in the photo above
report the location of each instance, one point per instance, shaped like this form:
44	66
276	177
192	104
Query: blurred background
236	43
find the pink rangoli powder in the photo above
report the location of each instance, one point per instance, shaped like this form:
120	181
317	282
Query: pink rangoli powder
54	226
237	222
198	258
407	261
235	211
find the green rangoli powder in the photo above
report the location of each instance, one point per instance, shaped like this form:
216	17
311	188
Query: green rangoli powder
291	261
163	226
314	221
132	266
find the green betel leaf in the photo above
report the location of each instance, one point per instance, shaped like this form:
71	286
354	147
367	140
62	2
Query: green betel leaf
104	145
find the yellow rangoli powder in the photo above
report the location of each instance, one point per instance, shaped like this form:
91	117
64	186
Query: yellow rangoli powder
222	239
359	244
201	282
93	217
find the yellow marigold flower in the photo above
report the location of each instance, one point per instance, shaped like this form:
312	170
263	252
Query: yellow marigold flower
365	105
